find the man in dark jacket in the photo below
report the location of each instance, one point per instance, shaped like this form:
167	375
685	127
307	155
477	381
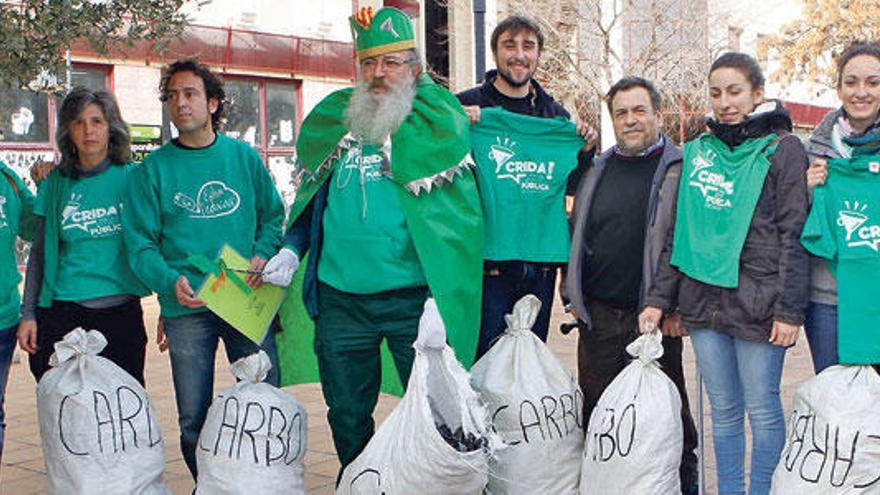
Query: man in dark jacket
623	208
516	45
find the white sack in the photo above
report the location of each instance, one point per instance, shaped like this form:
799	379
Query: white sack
98	428
833	443
254	437
634	437
535	405
407	455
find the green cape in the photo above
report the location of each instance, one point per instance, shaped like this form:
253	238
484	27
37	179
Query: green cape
438	192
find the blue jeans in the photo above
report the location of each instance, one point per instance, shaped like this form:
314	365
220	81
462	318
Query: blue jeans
192	342
7	347
820	323
742	376
505	283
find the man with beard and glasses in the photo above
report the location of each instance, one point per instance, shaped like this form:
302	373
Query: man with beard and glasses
389	213
623	209
510	272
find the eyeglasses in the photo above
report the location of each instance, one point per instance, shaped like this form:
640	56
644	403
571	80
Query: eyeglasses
392	64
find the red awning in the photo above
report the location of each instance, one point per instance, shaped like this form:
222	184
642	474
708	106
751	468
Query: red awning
238	49
805	115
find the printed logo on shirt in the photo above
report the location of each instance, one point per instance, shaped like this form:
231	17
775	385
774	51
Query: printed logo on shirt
374	167
853	219
715	187
3	212
530	175
215	199
101	221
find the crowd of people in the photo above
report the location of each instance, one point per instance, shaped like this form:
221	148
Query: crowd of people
405	236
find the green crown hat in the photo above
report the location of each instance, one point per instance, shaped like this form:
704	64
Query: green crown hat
389	30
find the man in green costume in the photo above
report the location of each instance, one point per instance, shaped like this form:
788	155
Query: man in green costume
390	215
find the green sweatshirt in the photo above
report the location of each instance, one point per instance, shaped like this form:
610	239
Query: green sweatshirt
193	201
363	211
16	219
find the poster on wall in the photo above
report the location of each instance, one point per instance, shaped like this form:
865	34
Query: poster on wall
144	139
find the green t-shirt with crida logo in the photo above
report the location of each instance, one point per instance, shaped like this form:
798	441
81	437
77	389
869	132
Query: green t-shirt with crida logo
844	228
523	164
86	216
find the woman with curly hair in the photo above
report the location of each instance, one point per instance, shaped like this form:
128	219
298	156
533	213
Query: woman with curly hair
77	274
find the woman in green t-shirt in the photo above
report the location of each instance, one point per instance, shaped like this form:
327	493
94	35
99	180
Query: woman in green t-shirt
77	274
16	220
858	87
734	267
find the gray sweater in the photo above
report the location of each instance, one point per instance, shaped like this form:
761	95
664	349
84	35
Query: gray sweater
823	285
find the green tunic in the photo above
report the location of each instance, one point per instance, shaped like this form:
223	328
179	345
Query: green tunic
717	197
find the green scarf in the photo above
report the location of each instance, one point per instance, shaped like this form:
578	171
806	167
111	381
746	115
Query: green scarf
440	200
717	197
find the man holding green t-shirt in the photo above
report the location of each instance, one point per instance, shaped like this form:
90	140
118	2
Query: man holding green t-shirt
389	215
526	163
191	197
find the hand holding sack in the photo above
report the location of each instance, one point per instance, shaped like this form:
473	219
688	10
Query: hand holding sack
98	428
536	407
833	442
435	441
254	437
634	437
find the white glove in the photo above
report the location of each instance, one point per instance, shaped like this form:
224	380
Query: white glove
279	270
432	331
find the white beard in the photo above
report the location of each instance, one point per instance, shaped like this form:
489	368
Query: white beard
373	117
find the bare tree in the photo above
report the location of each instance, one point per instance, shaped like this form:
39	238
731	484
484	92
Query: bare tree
589	44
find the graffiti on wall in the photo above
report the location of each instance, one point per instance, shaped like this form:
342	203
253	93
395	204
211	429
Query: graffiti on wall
21	162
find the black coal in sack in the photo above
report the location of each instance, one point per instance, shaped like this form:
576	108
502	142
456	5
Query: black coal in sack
420	447
461	441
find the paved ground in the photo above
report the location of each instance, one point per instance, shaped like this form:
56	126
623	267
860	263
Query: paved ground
23	471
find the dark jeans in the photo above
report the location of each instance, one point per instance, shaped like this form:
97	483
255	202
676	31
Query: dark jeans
820	325
7	348
348	332
122	326
192	344
505	283
602	355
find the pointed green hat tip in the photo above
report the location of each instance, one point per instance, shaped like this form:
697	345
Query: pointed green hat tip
389	30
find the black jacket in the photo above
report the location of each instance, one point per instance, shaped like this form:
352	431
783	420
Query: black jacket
542	105
773	265
659	219
487	95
